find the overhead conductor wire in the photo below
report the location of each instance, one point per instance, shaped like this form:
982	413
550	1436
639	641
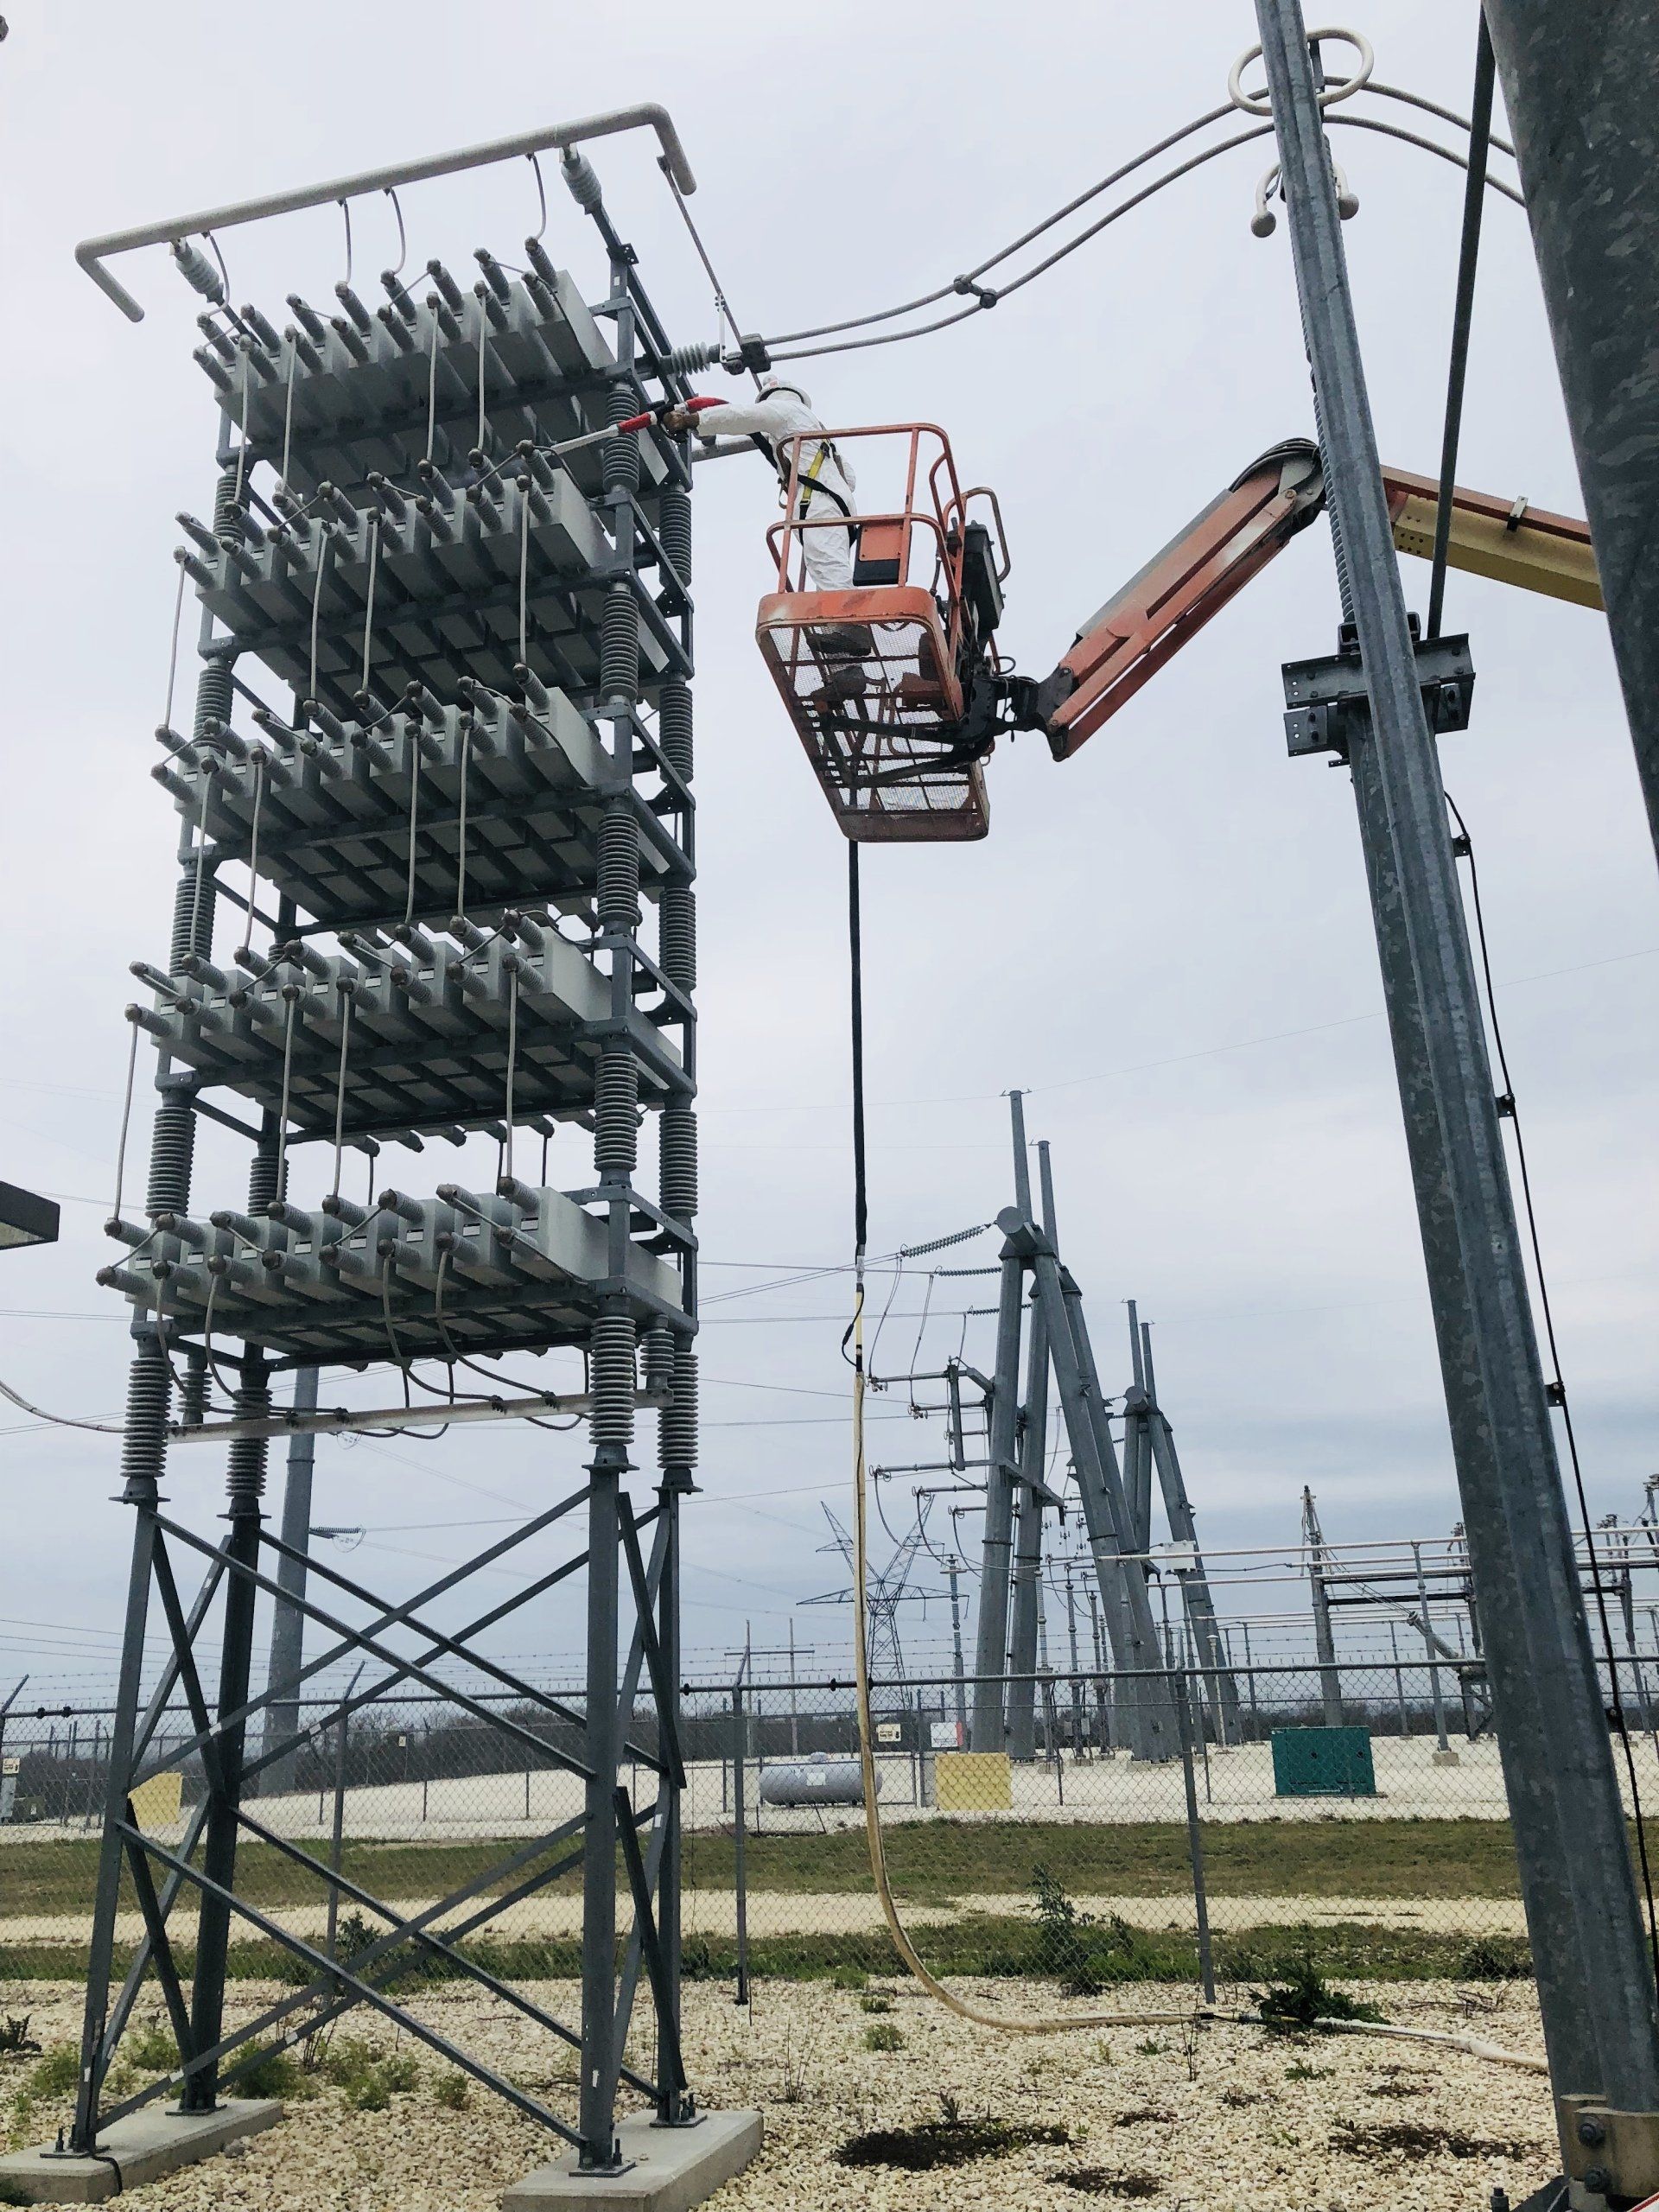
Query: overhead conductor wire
980	296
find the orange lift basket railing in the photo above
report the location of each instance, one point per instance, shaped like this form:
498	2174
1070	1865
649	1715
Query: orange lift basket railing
879	679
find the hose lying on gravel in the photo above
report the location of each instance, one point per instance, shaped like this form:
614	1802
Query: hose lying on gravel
1473	2046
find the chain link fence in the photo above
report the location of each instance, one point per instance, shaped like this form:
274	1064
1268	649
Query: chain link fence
1352	1815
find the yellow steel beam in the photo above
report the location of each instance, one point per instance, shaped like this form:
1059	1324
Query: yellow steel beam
1512	541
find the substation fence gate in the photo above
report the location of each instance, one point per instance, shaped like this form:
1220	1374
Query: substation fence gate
409	909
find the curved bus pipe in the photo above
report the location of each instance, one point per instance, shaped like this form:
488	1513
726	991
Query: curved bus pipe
93	253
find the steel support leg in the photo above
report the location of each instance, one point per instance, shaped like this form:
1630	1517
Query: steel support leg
991	1631
1146	1703
1028	1548
246	1482
142	1454
282	1721
1218	1686
1595	1985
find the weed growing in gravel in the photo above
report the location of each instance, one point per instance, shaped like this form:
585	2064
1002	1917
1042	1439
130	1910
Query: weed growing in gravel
1236	2100
1298	2070
1151	2049
15	2041
453	2091
1101	2181
151	2048
796	2059
848	1978
368	2082
885	2037
1299	1997
875	2003
1083	1951
949	2141
55	2075
1496	1958
1411	2138
270	2073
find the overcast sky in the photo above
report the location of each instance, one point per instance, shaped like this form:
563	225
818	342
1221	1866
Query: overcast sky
1165	940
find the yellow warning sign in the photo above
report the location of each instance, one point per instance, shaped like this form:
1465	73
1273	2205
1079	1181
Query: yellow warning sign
156	1803
973	1781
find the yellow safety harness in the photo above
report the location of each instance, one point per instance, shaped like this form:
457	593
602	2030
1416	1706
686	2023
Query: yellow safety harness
809	480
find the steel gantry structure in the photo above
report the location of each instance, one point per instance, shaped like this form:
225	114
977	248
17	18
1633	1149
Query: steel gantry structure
411	906
1115	1498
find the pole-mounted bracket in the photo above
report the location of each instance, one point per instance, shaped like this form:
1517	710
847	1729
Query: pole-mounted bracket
1608	2154
1326	705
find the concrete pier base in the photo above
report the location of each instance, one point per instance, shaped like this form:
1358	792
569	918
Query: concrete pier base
141	2147
667	2169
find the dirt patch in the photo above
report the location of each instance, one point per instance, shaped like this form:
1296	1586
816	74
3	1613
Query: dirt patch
1411	2138
944	2143
1144	2116
1102	2181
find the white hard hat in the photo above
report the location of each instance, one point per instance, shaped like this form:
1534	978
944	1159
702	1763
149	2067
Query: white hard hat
769	385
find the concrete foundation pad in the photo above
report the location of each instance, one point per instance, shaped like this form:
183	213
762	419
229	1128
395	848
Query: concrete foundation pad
141	2147
668	2169
1445	1759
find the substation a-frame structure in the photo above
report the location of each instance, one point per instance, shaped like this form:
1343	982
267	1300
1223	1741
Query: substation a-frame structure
1040	1312
439	771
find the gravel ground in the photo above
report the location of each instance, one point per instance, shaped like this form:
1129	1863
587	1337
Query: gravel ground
780	1912
1228	2119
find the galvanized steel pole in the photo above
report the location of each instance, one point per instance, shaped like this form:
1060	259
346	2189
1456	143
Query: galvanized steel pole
1581	82
1595	1986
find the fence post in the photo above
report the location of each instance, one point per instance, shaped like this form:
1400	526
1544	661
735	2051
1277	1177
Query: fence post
1399	1679
740	1840
337	1842
1194	1840
1441	1738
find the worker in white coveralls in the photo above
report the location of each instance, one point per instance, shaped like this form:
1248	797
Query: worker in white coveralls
778	415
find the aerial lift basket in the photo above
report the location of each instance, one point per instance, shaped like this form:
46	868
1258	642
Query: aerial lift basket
875	678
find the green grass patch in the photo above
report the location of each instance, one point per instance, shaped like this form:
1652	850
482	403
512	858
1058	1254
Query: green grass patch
930	1862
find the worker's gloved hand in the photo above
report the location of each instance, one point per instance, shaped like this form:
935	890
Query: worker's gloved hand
678	419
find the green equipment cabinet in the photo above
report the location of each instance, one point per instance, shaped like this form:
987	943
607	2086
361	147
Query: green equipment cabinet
1323	1763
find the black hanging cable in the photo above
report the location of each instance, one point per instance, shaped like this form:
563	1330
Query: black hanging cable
1474	197
1465	851
854	938
854	1331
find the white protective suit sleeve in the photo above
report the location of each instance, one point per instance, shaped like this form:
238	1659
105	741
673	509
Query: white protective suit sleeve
777	418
